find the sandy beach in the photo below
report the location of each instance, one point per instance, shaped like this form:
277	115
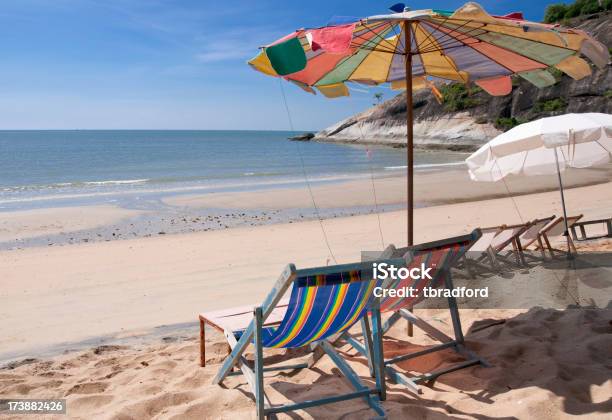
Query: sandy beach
118	292
174	209
146	216
547	364
19	225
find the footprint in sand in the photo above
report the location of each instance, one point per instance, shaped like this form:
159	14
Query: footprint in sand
88	388
89	402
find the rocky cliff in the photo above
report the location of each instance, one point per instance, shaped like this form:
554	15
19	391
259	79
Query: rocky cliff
472	117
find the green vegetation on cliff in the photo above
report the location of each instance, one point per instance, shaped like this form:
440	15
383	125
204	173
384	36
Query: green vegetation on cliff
556	13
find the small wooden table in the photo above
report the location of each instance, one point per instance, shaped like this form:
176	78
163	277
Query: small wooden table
583	234
227	321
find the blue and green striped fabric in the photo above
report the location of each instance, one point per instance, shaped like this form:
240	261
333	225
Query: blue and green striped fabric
321	306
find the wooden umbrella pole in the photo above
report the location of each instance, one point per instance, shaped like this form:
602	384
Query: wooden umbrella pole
409	147
409	134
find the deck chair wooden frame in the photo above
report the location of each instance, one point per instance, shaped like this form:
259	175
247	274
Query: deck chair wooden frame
456	343
583	233
499	242
557	228
532	236
253	334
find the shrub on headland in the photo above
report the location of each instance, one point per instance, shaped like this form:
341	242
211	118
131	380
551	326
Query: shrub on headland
556	13
505	123
551	105
457	97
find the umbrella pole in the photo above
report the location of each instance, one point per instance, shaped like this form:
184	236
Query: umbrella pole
569	250
409	148
409	135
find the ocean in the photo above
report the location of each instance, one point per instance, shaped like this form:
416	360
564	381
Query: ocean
52	168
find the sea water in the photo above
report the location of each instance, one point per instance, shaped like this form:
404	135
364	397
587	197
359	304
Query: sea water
50	168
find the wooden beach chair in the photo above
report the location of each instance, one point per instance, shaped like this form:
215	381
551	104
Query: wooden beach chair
531	235
549	228
493	246
324	302
441	255
556	229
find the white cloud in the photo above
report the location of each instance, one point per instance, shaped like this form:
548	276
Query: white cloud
236	44
217	54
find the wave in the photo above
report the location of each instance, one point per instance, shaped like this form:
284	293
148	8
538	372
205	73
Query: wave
122	187
115	182
172	188
425	166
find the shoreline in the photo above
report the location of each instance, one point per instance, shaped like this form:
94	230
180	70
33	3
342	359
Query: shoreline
434	144
145	216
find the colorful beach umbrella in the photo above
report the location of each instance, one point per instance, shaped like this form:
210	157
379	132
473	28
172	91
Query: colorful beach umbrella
467	45
546	146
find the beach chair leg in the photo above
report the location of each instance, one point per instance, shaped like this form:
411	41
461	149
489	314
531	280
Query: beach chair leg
259	391
355	343
395	316
409	326
367	340
202	343
235	357
549	246
572	245
401	379
541	247
517	255
353	378
454	310
519	250
378	357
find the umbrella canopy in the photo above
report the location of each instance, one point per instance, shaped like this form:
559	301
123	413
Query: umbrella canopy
411	48
546	146
533	148
467	45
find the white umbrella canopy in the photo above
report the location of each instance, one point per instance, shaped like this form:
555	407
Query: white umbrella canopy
546	146
577	140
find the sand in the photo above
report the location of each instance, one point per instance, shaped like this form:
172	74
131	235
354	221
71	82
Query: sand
547	363
17	225
431	188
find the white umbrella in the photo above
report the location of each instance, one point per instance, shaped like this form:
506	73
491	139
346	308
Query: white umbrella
545	146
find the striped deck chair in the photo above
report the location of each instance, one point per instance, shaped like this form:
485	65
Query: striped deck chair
441	255
324	302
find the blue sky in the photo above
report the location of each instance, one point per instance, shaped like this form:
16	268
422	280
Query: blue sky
168	64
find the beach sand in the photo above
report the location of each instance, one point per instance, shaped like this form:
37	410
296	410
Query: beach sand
430	188
547	363
19	225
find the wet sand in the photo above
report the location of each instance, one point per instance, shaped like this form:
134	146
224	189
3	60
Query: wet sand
150	216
